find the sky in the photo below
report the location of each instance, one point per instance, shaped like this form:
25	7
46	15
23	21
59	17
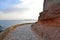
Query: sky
20	9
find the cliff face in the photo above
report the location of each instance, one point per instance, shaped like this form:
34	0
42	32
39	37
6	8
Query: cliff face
48	24
49	3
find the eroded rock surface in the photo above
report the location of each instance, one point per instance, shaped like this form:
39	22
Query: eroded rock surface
48	25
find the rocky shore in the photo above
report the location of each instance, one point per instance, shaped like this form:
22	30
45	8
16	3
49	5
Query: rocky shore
5	32
20	32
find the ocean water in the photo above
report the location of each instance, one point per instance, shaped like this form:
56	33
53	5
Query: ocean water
7	23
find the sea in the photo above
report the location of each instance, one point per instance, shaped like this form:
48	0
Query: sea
8	23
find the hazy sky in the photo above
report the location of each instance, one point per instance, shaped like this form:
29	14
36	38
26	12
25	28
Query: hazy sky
20	9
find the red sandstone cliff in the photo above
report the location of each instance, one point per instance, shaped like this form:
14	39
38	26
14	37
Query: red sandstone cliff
48	25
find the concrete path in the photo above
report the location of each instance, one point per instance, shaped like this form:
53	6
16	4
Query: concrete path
23	32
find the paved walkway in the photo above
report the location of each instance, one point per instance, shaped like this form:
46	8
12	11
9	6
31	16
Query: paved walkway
23	32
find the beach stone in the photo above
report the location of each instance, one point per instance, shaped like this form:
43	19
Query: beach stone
48	24
23	32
